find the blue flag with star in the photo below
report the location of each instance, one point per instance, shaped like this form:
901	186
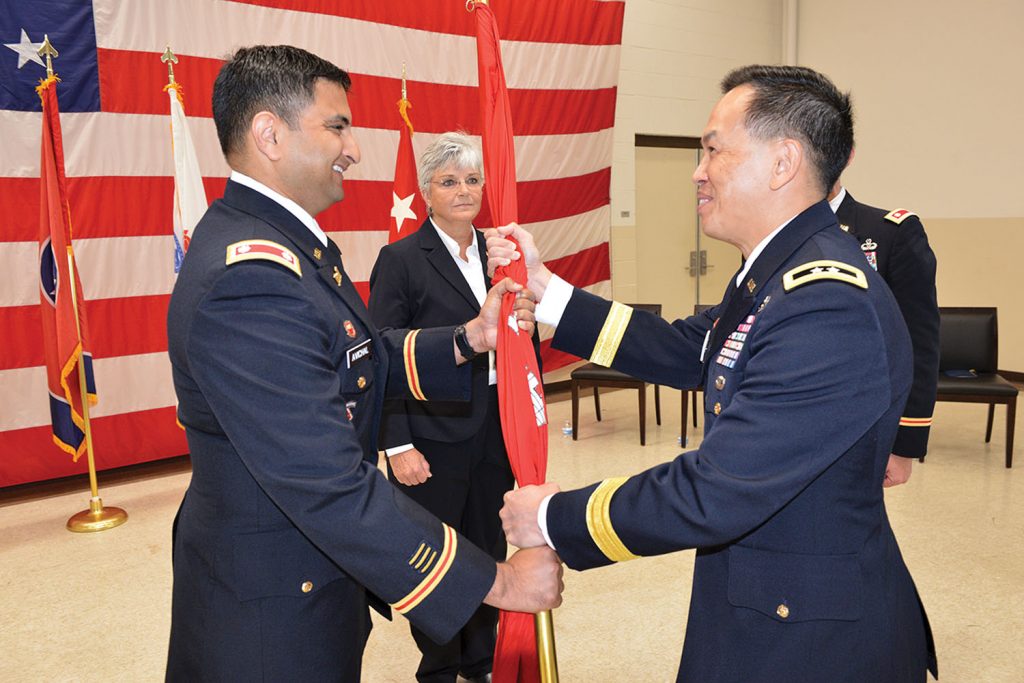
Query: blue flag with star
69	24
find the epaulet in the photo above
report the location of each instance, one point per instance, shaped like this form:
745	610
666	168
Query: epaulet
263	250
897	216
824	270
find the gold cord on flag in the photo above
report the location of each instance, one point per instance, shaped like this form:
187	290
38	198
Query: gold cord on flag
404	105
170	59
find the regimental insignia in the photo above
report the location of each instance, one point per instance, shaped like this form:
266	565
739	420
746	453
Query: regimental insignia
751	285
350	329
897	216
869	245
337	275
824	270
844	227
317	253
262	250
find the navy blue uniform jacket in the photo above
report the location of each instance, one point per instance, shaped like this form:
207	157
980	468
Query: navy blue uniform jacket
798	576
287	521
895	244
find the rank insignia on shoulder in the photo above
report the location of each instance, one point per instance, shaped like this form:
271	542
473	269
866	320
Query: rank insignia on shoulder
262	250
897	216
824	270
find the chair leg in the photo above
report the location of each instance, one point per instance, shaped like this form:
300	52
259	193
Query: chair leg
1011	417
643	414
657	405
575	409
988	426
682	427
597	404
695	408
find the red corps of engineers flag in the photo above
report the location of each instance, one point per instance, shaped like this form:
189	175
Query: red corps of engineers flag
561	65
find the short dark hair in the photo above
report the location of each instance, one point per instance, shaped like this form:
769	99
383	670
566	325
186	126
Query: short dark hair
800	103
277	78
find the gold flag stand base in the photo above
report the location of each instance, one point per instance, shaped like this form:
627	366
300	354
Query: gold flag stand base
97	518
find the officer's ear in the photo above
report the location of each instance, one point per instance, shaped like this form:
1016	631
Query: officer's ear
265	131
787	163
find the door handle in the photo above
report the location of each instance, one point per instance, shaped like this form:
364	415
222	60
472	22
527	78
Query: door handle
699	263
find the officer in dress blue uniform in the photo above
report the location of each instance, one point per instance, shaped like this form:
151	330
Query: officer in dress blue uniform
807	366
288	529
896	246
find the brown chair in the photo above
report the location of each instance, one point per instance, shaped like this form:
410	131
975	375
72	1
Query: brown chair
697	308
596	376
968	362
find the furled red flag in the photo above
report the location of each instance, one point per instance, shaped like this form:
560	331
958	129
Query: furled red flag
407	207
520	389
189	195
64	331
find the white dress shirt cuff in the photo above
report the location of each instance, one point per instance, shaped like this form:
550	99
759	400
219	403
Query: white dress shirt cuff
556	297
395	450
542	520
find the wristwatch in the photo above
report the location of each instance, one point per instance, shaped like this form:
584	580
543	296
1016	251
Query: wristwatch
462	343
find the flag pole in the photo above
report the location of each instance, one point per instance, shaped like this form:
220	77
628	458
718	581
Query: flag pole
97	517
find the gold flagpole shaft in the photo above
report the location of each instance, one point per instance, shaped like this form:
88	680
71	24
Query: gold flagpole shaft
97	517
547	658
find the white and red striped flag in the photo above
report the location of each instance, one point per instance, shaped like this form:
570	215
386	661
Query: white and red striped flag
561	63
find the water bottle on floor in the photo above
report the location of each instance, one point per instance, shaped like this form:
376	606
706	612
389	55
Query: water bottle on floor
567	430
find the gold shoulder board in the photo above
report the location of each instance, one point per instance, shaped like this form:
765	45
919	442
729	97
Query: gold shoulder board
263	250
824	270
897	216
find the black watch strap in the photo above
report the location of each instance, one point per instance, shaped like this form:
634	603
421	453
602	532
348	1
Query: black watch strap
462	343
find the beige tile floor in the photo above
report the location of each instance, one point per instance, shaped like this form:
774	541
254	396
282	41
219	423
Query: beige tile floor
96	607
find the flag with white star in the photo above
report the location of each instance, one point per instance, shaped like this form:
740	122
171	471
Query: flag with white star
69	24
407	207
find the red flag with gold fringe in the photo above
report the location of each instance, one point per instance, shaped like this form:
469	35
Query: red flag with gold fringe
64	331
520	388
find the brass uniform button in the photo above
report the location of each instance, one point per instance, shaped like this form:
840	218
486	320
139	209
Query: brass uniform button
720	382
361	382
718	408
782	611
308	586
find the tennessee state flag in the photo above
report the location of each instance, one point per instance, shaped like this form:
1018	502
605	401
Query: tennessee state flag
64	332
407	207
520	387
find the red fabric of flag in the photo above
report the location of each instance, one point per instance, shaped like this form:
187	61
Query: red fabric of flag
520	388
64	329
407	206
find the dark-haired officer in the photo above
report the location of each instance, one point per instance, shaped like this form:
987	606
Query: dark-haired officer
895	244
807	366
288	529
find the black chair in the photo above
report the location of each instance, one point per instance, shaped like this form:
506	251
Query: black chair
968	362
697	308
596	376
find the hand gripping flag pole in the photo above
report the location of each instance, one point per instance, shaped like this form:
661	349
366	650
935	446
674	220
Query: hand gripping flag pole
525	651
63	332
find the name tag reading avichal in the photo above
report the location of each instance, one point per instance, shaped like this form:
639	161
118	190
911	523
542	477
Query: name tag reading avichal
358	352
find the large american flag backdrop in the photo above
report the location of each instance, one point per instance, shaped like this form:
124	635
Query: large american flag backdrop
562	62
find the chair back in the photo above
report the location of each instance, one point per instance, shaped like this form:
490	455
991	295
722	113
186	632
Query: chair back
968	339
700	308
650	308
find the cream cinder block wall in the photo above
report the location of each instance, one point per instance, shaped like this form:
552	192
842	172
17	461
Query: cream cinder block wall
937	100
674	54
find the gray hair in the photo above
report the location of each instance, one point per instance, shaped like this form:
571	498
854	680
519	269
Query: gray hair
452	148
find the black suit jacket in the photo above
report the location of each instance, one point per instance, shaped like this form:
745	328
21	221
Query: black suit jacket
280	378
416	283
895	244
